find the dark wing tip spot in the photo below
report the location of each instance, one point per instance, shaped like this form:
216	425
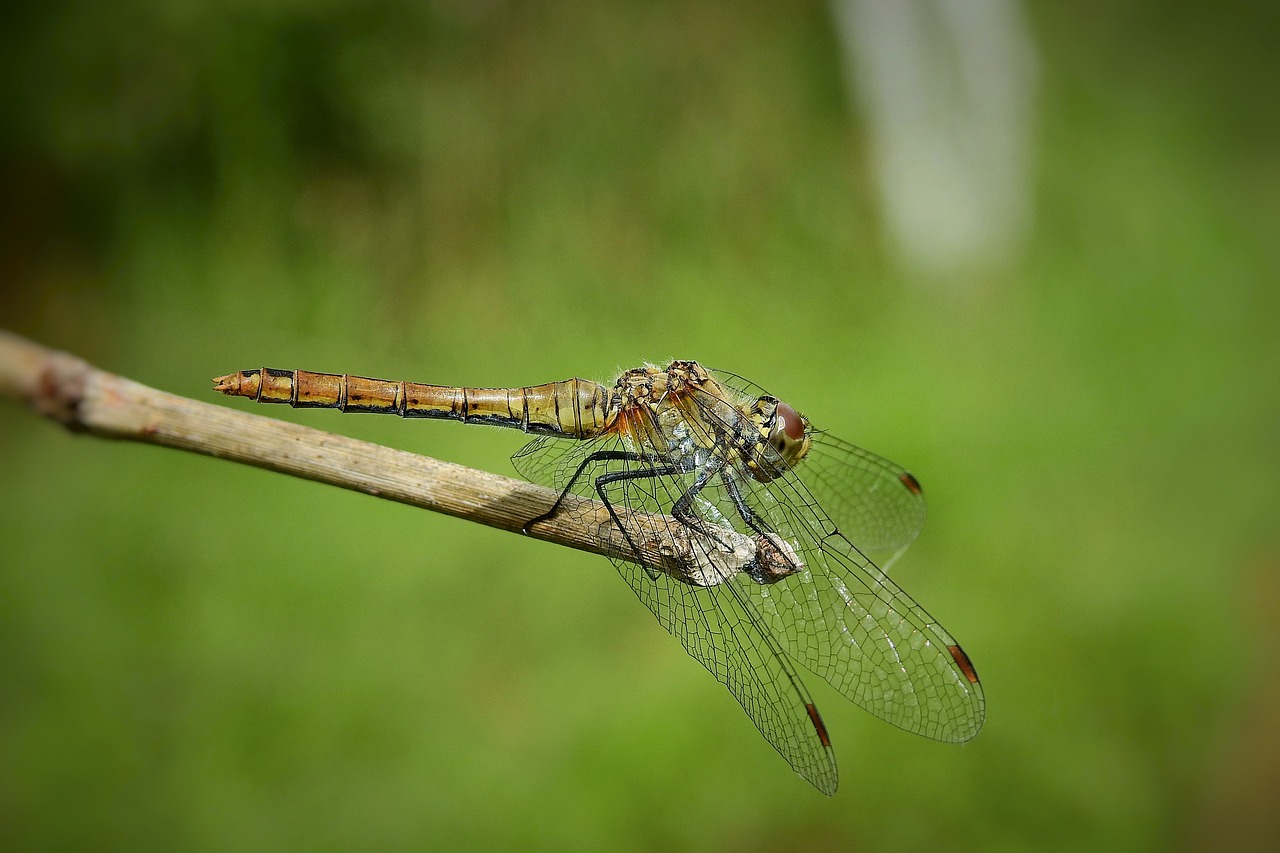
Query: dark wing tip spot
821	727
912	484
962	661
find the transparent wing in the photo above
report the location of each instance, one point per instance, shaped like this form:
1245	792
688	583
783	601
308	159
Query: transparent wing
721	625
550	460
877	504
837	614
849	623
844	619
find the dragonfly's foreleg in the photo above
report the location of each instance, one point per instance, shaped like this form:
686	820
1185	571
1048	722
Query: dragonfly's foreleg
598	456
752	520
747	514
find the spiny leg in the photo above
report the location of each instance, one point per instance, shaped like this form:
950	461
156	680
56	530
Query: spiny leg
749	516
605	480
598	456
682	509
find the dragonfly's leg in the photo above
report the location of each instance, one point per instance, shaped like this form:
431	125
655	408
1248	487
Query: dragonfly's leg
747	514
606	480
598	456
682	511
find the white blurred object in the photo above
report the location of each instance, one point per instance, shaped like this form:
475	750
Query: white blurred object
947	89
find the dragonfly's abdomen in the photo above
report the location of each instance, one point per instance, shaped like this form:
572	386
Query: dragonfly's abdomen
577	408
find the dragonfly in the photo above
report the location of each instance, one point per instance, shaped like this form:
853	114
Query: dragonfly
778	521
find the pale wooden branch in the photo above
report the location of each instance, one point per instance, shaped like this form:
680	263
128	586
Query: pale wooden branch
86	399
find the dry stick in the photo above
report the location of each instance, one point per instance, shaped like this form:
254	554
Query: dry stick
86	399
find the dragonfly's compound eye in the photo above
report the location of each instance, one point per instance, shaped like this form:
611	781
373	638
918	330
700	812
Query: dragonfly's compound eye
787	430
790	421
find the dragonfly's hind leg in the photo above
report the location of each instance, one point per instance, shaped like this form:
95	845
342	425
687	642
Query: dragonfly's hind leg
598	456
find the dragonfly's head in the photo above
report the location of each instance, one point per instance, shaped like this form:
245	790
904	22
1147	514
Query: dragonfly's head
785	429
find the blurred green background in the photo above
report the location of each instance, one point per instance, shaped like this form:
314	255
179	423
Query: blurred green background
494	193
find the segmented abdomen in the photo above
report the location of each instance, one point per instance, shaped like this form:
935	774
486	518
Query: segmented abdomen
576	408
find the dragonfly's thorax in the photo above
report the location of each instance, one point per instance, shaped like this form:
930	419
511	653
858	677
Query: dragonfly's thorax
690	421
651	385
654	408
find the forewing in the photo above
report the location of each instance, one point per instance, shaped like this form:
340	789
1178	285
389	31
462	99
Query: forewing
839	614
877	504
848	622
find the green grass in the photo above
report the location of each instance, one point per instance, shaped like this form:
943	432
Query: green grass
475	194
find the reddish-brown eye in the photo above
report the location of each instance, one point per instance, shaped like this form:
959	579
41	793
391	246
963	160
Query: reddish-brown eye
791	423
